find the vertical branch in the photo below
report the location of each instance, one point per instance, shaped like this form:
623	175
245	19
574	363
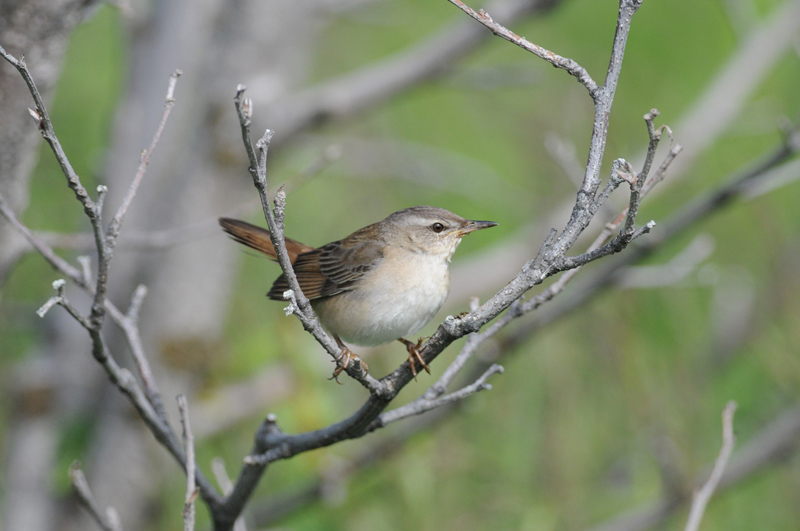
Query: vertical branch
702	496
603	99
116	222
191	485
552	253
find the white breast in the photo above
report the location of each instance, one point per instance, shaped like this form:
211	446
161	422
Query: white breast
395	300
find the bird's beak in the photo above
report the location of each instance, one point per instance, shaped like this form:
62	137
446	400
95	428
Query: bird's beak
472	226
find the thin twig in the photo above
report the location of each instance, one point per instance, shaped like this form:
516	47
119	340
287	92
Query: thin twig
556	60
120	377
454	368
365	88
45	126
108	521
586	205
116	223
106	248
769	446
423	404
191	485
559	285
128	324
702	496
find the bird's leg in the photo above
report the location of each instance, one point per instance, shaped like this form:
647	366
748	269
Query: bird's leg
414	355
344	360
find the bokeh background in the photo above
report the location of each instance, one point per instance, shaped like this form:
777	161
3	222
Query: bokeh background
606	410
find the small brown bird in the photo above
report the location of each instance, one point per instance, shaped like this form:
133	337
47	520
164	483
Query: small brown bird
381	283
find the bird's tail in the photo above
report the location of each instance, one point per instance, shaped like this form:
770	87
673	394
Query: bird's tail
258	238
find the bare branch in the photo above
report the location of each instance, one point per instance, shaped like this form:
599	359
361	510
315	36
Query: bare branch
116	223
358	91
554	59
702	496
299	305
108	521
534	272
45	126
225	483
148	404
768	446
58	285
423	404
191	486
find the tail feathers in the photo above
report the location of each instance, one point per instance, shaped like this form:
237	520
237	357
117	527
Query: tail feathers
258	238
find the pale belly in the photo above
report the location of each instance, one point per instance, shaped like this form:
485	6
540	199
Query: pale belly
388	304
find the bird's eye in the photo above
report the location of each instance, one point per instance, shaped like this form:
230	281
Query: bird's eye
437	227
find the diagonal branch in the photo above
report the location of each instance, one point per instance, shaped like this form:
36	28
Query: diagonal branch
771	444
45	126
271	443
424	403
358	91
299	305
108	521
564	63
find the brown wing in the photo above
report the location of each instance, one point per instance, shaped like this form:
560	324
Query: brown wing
258	238
345	262
311	281
333	268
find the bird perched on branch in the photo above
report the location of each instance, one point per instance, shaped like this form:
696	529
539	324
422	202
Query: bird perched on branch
380	284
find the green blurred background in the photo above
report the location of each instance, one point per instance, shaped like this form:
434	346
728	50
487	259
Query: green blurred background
573	434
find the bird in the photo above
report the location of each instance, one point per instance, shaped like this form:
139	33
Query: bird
382	283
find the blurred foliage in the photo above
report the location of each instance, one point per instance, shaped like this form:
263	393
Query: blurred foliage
569	435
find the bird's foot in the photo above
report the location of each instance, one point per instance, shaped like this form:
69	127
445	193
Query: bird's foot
346	358
414	356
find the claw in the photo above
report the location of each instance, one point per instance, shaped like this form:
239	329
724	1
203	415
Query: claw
335	375
344	360
414	356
